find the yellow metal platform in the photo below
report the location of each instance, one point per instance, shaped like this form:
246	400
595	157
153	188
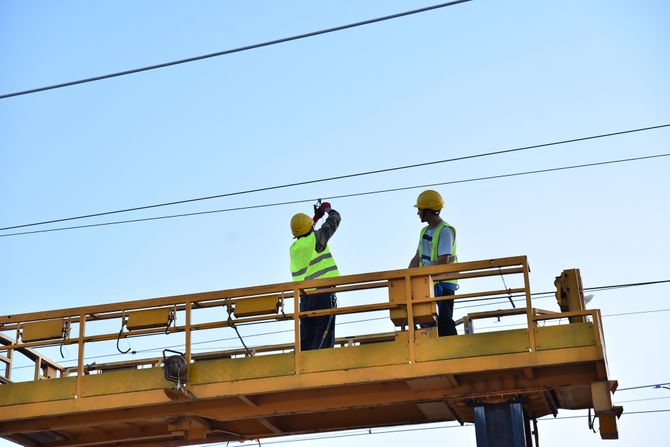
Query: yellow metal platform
404	377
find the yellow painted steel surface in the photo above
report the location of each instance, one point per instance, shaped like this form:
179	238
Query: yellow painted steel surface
256	306
472	345
38	391
116	382
42	330
567	336
228	370
379	354
150	318
407	376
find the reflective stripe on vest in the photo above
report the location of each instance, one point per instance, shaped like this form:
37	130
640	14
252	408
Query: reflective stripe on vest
306	263
435	240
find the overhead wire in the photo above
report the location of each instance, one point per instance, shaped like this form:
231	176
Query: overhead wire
660	410
520	325
233	50
338	177
341	196
641	400
639	387
370	431
521	297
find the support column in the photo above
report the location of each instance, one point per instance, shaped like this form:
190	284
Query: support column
501	425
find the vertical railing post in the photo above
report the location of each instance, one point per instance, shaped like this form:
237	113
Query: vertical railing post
8	365
530	316
80	356
187	335
598	328
411	333
296	330
38	367
10	355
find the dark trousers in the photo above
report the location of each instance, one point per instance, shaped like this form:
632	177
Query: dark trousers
317	332
445	312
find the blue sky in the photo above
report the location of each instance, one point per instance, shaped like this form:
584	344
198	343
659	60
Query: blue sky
476	77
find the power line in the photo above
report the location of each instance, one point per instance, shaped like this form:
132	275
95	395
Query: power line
442	427
660	410
520	325
292	202
234	50
641	400
521	297
366	433
639	387
340	177
637	313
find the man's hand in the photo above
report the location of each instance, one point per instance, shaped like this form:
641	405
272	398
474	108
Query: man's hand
320	211
325	207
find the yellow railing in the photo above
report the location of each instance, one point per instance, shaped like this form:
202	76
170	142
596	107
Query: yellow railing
408	299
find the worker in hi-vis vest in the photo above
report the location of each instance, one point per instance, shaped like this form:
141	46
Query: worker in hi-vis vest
311	259
437	245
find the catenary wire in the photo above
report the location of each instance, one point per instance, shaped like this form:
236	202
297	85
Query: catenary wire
467	424
293	202
340	177
234	50
653	385
641	400
660	410
406	430
551	293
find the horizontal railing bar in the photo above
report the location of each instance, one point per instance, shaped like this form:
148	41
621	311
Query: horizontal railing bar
477	274
349	310
7	344
497	313
502	313
440	277
508	312
418	271
574	313
375	285
343	341
204	356
178	308
283	288
503	292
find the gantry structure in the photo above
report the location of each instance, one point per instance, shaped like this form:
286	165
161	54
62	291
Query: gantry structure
554	359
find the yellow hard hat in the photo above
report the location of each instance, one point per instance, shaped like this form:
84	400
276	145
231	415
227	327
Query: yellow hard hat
301	223
430	200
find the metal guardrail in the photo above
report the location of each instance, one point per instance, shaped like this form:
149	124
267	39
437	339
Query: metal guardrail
410	297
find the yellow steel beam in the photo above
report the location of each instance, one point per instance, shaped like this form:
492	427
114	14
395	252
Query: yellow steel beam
477	274
412	376
128	434
310	381
558	337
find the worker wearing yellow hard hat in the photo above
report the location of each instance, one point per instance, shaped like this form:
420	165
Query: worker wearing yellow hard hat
311	259
437	245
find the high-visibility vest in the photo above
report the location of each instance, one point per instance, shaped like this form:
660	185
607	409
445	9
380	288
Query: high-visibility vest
434	244
306	263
